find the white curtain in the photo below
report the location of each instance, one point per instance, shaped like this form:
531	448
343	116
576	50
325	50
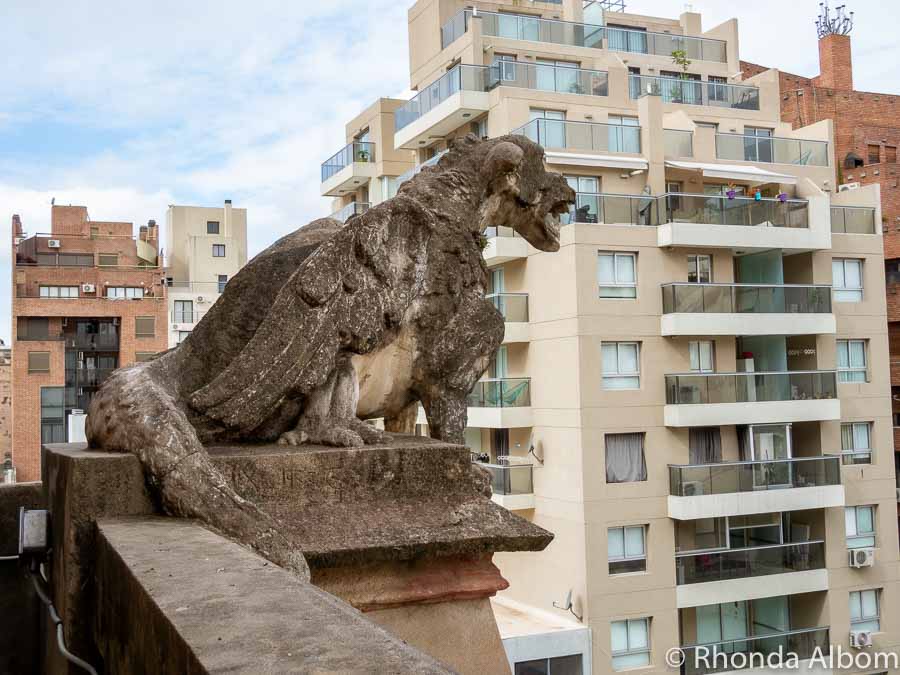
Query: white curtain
625	461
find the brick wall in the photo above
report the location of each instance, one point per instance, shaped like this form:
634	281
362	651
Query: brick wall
835	63
5	402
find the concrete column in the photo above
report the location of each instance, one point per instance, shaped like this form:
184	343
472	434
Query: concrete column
650	114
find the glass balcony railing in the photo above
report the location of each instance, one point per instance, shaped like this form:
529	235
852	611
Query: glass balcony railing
510	479
723	210
696	480
537	29
492	231
798	385
678	143
770	149
582	136
695	92
746	299
735	654
405	176
741	563
852	220
547	77
351	209
93	342
513	306
459	78
91	377
358	151
507	392
594	207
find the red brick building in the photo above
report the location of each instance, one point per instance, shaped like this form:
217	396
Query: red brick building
867	135
88	297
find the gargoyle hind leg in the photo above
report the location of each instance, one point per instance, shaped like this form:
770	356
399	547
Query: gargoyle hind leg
329	415
446	413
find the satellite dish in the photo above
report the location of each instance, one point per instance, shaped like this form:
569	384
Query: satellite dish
567	605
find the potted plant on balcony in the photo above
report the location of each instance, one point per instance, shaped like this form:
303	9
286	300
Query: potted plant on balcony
782	197
731	191
362	155
680	59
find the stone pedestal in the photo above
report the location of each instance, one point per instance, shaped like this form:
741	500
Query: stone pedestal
404	532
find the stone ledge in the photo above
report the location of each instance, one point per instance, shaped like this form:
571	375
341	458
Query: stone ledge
175	597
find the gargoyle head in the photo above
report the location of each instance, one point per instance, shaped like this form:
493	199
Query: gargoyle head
520	193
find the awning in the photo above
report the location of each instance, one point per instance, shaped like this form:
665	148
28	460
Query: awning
735	172
610	161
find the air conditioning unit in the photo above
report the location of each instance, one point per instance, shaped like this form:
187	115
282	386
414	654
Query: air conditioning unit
175	326
53	243
846	187
862	557
860	638
19	240
692	488
88	288
200	298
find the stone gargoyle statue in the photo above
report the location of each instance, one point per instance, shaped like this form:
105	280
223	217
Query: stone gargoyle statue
332	325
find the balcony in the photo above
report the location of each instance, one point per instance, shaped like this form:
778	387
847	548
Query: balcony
738	223
713	399
511	485
586	143
351	209
503	245
554	31
500	403
678	143
546	77
349	168
442	106
91	377
746	309
695	92
610	209
733	575
744	488
853	220
514	308
730	655
99	342
770	149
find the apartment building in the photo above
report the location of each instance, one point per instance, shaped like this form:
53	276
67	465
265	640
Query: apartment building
7	475
693	392
87	297
205	247
867	135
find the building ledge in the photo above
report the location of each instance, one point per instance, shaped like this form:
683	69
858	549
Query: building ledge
751	588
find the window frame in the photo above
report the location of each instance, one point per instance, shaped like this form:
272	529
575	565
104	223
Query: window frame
209	230
619	375
865	619
127	293
101	256
844	372
56	423
630	651
138	334
49	295
855	541
38	352
141	357
844	289
625	558
222	282
693	267
615	283
712	356
216	248
849	455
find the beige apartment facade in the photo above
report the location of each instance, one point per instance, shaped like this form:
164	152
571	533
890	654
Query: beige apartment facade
693	392
206	246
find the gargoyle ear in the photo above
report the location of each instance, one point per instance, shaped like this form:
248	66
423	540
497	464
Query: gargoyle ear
503	158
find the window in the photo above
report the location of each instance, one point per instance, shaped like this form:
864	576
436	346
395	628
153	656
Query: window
218	251
625	461
181	335
851	360
76	259
621	365
33	328
145	326
890	154
617	275
223	279
874	153
623	140
856	442
550	127
212	227
38	362
626	549
557	665
184	311
53	415
630	643
588	202
126	292
59	291
846	276
699	269
860	526
701	356
864	614
140	357
108	259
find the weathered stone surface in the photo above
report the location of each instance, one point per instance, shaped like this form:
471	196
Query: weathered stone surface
332	324
174	597
21	612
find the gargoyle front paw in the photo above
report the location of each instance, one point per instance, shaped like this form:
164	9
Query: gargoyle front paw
295	437
344	438
369	434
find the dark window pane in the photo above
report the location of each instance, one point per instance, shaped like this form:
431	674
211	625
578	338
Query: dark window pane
212	227
145	326
566	665
38	362
626	566
537	667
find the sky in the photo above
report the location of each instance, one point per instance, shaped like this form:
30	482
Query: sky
128	107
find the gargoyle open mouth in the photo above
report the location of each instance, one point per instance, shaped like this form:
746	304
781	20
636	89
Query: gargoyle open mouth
552	219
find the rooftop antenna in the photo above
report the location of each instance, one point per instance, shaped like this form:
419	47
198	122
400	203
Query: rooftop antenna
840	23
